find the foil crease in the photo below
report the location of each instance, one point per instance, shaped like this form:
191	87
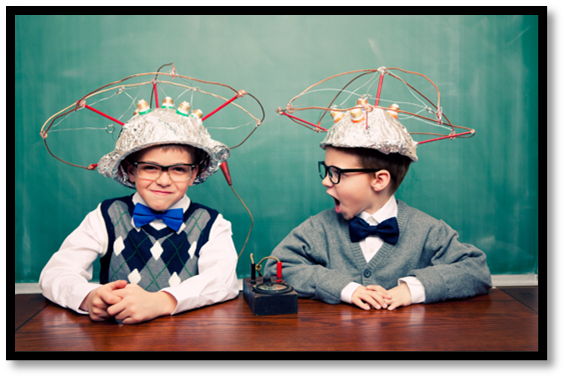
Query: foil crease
159	127
383	133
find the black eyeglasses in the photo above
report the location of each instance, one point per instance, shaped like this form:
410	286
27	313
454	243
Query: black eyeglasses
177	172
335	172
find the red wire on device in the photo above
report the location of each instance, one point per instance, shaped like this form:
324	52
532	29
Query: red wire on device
279	269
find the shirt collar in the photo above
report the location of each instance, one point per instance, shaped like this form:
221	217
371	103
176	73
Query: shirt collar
184	202
387	211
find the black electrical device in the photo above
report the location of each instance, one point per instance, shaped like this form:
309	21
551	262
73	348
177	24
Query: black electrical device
268	296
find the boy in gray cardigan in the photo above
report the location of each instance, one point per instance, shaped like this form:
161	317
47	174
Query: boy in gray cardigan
373	250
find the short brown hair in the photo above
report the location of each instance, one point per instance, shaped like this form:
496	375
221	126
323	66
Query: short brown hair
395	163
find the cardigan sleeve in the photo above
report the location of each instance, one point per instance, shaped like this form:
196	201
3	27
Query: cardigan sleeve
456	270
304	254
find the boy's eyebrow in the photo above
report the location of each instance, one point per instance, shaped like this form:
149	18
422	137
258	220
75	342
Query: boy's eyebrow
159	164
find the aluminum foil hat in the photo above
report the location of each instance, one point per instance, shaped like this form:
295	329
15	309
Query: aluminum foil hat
381	132
159	124
159	127
369	125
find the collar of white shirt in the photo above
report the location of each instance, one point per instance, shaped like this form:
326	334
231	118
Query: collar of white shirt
158	224
372	244
387	211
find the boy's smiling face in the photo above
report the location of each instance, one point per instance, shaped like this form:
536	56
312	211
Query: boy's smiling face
354	193
162	193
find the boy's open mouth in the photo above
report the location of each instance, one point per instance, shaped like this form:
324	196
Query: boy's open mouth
336	205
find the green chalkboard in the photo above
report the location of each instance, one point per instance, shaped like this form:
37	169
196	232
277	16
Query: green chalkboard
486	68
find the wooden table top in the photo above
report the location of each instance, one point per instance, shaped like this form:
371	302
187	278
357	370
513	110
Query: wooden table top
495	322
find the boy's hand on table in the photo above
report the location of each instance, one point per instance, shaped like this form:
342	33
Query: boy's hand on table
99	299
400	297
138	305
370	297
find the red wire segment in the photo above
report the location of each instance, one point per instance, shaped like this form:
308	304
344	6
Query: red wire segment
220	107
279	269
104	114
310	123
379	89
155	90
448	136
224	165
226	172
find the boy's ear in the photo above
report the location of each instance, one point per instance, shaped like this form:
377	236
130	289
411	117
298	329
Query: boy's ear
194	175
381	180
129	169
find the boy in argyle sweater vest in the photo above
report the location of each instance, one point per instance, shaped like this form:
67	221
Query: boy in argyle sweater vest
160	253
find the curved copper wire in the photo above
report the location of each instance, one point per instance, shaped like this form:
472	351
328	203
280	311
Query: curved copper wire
385	70
80	103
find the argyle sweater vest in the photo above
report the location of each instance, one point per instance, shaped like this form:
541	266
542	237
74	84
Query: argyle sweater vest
153	259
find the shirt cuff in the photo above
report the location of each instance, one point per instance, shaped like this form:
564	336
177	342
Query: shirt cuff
348	291
416	288
79	293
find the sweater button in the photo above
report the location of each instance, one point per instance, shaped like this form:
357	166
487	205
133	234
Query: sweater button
367	273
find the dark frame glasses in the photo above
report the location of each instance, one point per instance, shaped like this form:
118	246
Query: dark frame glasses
333	171
166	169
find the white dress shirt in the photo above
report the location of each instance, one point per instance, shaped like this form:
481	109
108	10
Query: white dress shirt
65	278
371	245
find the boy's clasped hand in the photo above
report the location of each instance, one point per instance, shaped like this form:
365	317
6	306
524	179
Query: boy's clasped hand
127	303
377	297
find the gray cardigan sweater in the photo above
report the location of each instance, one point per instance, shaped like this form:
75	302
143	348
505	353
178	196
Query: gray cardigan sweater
319	260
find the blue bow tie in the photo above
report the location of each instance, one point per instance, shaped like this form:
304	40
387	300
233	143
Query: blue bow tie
143	215
388	230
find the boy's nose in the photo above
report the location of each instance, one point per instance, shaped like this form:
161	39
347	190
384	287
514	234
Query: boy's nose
326	181
164	178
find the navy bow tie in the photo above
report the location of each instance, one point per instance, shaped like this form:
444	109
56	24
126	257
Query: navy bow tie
143	215
388	230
